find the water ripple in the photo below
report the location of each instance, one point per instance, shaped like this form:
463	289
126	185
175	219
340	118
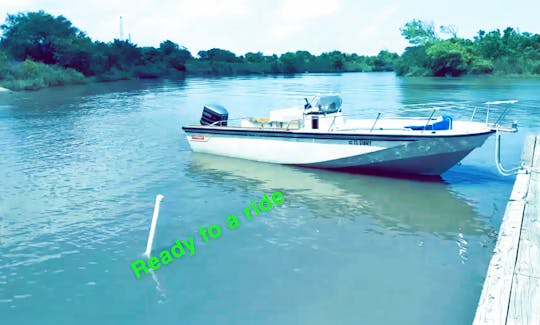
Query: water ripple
80	168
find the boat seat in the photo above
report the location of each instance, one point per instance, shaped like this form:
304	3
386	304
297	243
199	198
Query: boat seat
261	120
442	123
293	125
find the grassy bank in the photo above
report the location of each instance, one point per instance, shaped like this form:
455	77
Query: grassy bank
30	75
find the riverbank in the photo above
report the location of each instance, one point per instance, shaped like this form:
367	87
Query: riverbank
61	77
31	75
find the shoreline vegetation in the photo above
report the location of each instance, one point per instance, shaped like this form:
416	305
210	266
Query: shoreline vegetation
39	50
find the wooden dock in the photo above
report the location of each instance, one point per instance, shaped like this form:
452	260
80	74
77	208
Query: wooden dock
511	293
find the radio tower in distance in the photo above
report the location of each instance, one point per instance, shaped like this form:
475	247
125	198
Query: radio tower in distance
121	29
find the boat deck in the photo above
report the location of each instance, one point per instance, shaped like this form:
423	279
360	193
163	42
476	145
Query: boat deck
511	292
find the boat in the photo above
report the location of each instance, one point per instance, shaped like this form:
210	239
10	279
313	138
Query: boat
318	135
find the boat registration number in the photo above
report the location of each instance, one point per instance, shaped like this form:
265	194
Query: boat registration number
360	142
199	138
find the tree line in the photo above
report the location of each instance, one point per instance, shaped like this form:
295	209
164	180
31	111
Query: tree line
39	50
509	52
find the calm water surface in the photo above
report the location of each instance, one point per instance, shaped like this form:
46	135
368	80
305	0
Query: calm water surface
80	168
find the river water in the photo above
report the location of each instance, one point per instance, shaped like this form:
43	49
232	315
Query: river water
80	168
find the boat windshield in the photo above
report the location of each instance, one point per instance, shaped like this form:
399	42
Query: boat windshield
325	104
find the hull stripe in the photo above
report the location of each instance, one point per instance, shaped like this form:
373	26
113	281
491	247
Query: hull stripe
313	135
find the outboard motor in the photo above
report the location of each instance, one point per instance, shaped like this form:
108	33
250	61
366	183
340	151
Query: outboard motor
214	113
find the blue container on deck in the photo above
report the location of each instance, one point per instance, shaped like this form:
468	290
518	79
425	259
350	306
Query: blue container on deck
444	124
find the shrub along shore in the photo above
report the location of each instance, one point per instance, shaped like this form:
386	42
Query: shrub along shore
39	50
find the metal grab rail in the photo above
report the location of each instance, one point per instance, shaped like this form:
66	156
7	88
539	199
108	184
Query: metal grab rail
503	171
502	115
422	107
427	122
373	126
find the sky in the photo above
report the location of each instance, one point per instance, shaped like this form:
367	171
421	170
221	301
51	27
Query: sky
278	26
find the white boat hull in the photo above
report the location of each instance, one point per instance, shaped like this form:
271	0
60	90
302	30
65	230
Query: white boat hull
423	154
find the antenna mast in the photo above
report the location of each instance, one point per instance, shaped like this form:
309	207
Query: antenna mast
121	29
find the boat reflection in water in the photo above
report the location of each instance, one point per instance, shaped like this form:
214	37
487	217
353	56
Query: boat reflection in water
402	205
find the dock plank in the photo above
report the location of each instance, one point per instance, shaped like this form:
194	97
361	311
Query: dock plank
511	291
525	299
527	159
493	305
528	262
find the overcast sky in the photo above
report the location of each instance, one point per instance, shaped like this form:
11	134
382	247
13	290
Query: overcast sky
278	26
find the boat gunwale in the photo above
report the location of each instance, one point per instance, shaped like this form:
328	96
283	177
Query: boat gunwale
282	133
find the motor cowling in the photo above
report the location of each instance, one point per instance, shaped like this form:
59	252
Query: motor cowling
214	114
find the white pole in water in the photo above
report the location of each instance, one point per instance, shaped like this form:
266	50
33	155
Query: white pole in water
159	197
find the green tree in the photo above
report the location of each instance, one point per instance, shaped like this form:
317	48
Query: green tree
150	55
449	30
76	53
174	55
289	62
331	61
36	35
419	32
448	58
489	45
100	63
385	61
300	61
123	55
254	57
413	62
220	55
